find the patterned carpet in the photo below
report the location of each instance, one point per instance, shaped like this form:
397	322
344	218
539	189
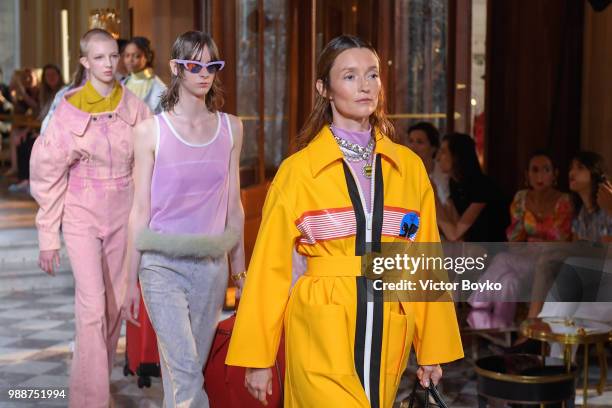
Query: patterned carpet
36	331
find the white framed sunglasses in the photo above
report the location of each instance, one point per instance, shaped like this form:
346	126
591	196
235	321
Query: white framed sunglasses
196	66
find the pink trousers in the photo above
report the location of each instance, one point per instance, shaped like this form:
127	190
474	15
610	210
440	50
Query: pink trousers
95	231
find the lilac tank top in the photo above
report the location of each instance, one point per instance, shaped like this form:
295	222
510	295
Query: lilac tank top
190	182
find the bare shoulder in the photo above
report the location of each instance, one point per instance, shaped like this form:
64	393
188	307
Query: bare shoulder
148	125
145	133
236	125
235	122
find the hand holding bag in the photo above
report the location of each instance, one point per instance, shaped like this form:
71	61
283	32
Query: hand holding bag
431	391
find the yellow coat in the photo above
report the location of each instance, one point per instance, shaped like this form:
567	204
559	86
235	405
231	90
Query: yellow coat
341	350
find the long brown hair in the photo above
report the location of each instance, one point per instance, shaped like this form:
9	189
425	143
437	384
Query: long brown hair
462	148
46	92
189	46
596	165
321	114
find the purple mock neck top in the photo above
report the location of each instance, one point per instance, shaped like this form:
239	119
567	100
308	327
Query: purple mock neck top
361	138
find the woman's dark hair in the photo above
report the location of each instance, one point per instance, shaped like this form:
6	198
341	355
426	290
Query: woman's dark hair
121	43
190	46
463	153
539	153
597	168
432	132
144	45
321	114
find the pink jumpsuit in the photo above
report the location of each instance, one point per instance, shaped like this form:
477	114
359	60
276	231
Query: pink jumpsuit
81	177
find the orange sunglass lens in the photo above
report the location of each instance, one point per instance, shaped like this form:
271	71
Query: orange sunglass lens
191	66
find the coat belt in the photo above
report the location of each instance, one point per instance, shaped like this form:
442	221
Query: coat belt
334	266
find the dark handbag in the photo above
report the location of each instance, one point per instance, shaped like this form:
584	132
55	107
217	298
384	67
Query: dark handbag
431	391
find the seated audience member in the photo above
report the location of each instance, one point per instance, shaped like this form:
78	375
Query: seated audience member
6	106
51	83
587	176
78	79
424	140
539	213
604	196
475	210
24	94
592	225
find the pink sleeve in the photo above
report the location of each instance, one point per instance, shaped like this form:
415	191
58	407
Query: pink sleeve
48	182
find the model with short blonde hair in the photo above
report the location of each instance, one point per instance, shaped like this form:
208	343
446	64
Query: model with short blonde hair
81	177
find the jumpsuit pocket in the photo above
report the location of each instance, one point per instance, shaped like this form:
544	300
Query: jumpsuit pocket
399	339
329	349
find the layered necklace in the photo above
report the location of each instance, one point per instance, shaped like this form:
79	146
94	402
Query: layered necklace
355	153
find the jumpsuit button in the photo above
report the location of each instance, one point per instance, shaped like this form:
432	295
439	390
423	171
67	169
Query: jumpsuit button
110	116
95	118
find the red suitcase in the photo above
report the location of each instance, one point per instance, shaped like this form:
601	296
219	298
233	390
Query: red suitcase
225	384
141	355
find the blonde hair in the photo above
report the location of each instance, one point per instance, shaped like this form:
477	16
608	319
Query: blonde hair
321	114
89	36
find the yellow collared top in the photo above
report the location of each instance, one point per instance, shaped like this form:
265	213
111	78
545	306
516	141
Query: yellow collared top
89	100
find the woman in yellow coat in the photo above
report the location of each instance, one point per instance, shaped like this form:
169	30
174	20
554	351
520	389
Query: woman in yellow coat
348	189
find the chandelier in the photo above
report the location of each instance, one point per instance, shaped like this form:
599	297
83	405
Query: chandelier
106	19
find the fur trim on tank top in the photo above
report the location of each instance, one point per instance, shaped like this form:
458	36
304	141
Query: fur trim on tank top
187	245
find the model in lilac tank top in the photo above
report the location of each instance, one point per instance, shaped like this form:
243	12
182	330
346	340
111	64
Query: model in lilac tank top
190	182
187	222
